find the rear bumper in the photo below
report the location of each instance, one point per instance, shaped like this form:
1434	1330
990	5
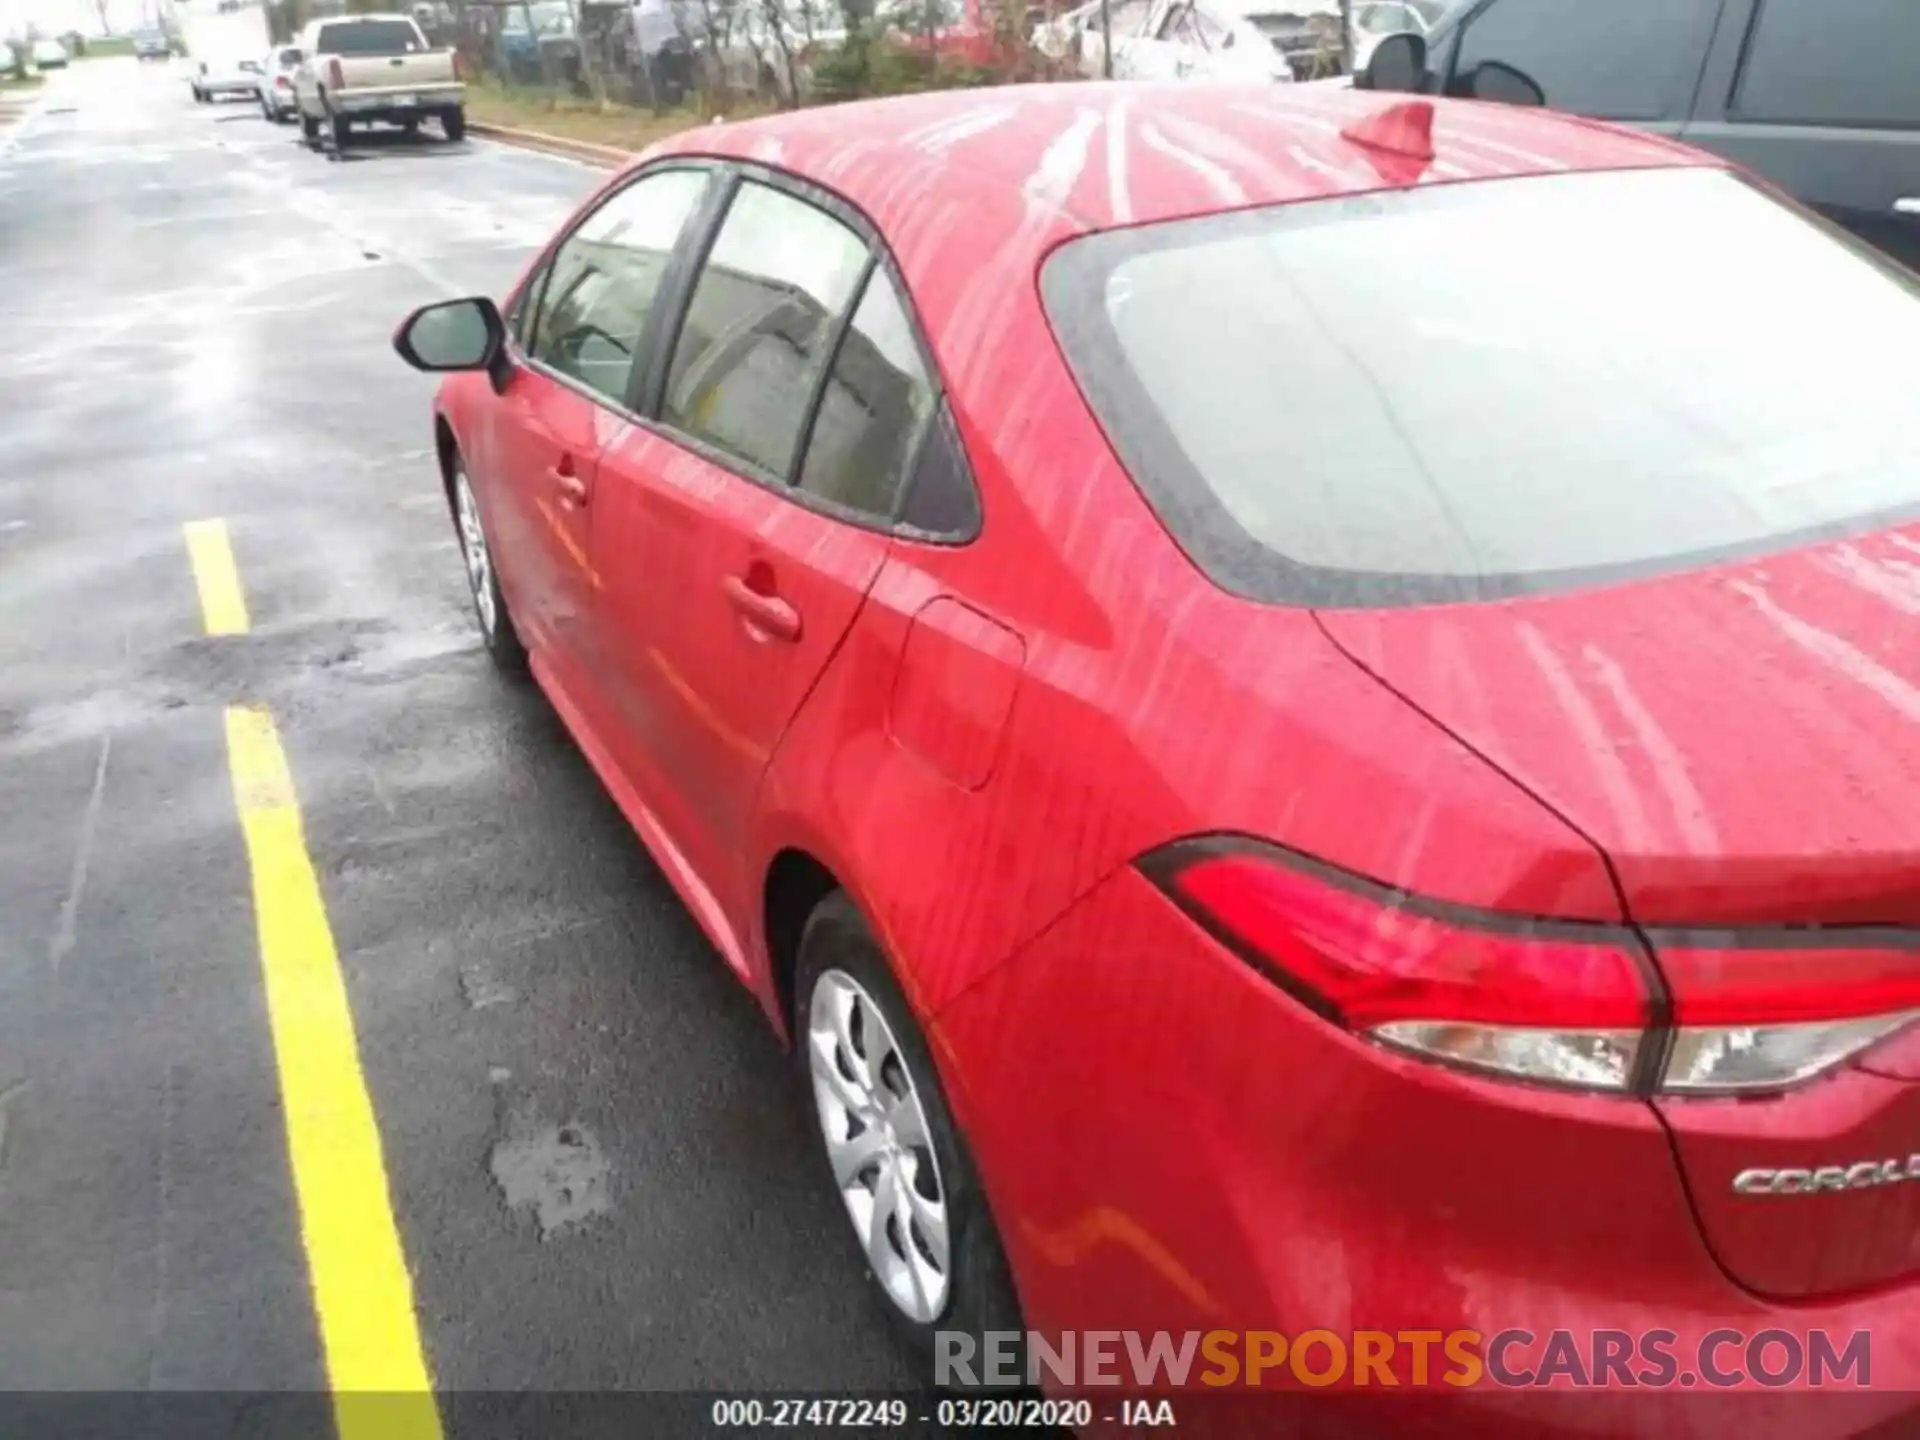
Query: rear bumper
1171	1144
398	101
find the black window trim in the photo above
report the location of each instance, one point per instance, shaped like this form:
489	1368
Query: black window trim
676	295
693	230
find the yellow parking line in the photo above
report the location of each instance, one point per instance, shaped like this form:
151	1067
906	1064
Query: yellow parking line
223	604
362	1293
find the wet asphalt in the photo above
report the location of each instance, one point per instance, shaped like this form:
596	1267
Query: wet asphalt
194	323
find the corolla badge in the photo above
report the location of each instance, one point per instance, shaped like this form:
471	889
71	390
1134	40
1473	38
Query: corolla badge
1863	1175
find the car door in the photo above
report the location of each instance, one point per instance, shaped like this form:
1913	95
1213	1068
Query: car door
569	395
1634	61
1164	51
1822	97
734	583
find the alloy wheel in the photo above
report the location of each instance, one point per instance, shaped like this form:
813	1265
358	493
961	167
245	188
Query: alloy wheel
878	1146
473	546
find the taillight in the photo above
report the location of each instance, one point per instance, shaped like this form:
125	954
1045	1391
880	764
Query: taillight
1757	1016
459	67
280	82
336	76
1560	1002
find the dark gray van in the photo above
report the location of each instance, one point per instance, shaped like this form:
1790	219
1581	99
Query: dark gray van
1822	97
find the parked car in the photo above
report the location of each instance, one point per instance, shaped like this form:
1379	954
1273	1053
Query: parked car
1820	96
276	84
223	79
538	41
1214	40
151	45
49	55
359	69
1374	20
1208	656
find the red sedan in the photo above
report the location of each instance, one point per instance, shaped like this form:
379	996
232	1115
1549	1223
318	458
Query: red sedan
1305	708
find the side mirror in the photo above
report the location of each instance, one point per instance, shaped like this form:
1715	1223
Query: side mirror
456	335
1504	85
1398	63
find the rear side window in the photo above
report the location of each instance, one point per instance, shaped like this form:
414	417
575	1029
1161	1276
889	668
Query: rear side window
369	37
603	279
1578	378
1833	62
1617	60
874	408
764	313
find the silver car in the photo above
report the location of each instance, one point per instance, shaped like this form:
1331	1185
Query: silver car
276	84
223	80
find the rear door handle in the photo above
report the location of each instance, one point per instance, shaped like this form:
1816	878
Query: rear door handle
573	490
768	615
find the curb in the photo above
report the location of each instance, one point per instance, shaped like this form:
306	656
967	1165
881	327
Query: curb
605	156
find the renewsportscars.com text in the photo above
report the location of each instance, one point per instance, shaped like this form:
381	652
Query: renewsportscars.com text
1160	1360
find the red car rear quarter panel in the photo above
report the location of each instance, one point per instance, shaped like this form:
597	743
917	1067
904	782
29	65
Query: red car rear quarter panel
1272	1171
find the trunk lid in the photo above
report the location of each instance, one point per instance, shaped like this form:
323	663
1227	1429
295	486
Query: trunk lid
1743	743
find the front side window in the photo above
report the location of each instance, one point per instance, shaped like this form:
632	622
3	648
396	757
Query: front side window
1585	377
763	315
603	279
1833	62
874	408
1617	61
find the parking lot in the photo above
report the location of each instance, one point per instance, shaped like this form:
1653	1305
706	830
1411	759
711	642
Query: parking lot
598	1166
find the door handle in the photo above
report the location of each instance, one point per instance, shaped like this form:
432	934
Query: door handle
768	615
573	490
1907	205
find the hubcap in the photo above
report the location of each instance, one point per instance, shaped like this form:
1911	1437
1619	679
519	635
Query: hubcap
473	545
877	1143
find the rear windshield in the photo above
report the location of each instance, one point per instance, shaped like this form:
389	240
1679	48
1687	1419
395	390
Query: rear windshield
1484	389
368	37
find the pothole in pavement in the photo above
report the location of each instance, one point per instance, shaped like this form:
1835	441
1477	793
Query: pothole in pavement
556	1169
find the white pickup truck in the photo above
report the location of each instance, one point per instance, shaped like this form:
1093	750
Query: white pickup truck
357	69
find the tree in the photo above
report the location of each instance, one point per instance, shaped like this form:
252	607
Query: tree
103	9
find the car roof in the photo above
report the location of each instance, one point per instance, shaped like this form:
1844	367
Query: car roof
1092	156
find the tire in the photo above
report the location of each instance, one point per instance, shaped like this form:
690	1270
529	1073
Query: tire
310	130
483	581
199	96
342	132
454	124
842	972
